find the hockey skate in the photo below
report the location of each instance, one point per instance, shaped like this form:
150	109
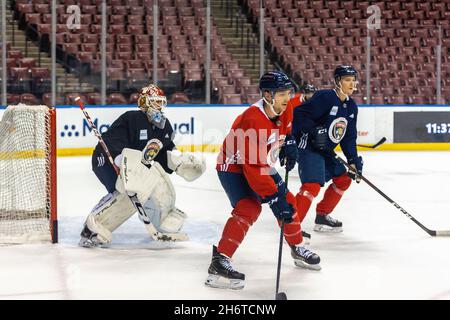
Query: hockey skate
88	239
325	223
222	275
305	258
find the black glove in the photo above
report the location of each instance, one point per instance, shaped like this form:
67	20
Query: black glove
281	209
319	138
356	171
288	153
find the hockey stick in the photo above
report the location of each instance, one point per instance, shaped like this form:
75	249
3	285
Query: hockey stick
155	234
382	140
281	295
442	233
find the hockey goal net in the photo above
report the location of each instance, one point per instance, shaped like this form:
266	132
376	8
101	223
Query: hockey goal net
28	174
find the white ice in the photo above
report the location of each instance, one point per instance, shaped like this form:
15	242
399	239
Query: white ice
380	255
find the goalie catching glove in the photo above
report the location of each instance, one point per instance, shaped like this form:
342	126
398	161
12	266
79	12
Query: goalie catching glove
186	165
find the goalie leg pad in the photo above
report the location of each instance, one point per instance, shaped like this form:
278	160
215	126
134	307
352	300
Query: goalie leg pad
112	210
155	191
103	235
163	218
173	221
160	206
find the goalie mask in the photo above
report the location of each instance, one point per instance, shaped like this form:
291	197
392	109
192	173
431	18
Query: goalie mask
152	101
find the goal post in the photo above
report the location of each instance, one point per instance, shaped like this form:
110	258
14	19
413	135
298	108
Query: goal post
28	199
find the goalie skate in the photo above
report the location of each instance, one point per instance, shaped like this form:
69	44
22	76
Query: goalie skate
88	239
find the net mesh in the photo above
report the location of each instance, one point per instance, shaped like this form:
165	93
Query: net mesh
24	174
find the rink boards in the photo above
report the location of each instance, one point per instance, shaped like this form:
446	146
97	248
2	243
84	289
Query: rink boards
203	127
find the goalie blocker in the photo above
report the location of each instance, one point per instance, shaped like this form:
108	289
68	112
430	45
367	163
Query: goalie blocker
153	188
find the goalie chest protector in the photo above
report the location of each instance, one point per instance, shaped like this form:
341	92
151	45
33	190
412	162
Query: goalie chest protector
133	130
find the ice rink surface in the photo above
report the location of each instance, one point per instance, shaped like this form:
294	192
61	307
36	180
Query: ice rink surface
380	255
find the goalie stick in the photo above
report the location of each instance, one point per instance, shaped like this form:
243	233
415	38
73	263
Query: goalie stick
433	233
382	140
155	234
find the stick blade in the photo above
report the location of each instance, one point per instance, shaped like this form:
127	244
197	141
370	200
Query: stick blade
280	296
383	140
443	233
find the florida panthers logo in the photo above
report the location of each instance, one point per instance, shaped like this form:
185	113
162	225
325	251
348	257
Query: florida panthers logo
275	144
337	129
273	154
151	150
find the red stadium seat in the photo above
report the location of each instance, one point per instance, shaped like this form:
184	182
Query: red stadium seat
41	8
28	98
133	98
134	64
397	99
124	39
116	98
12	99
89	47
179	98
89	9
94	98
232	99
90	38
251	98
14	54
377	99
135	19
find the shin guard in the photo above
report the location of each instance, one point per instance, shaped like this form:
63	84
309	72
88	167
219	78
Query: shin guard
305	197
333	194
245	213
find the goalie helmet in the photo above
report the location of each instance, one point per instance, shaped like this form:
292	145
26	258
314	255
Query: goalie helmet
152	101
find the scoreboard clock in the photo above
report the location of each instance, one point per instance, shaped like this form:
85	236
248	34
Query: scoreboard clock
422	126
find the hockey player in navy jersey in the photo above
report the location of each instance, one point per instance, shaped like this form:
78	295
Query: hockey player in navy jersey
319	125
141	144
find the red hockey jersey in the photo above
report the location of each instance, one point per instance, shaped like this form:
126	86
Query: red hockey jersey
252	146
296	101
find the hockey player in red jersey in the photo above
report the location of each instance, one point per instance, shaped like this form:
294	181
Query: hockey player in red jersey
245	168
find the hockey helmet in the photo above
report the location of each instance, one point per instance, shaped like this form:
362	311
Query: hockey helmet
275	81
344	70
308	88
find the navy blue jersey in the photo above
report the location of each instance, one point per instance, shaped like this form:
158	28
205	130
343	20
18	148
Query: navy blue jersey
326	109
133	130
